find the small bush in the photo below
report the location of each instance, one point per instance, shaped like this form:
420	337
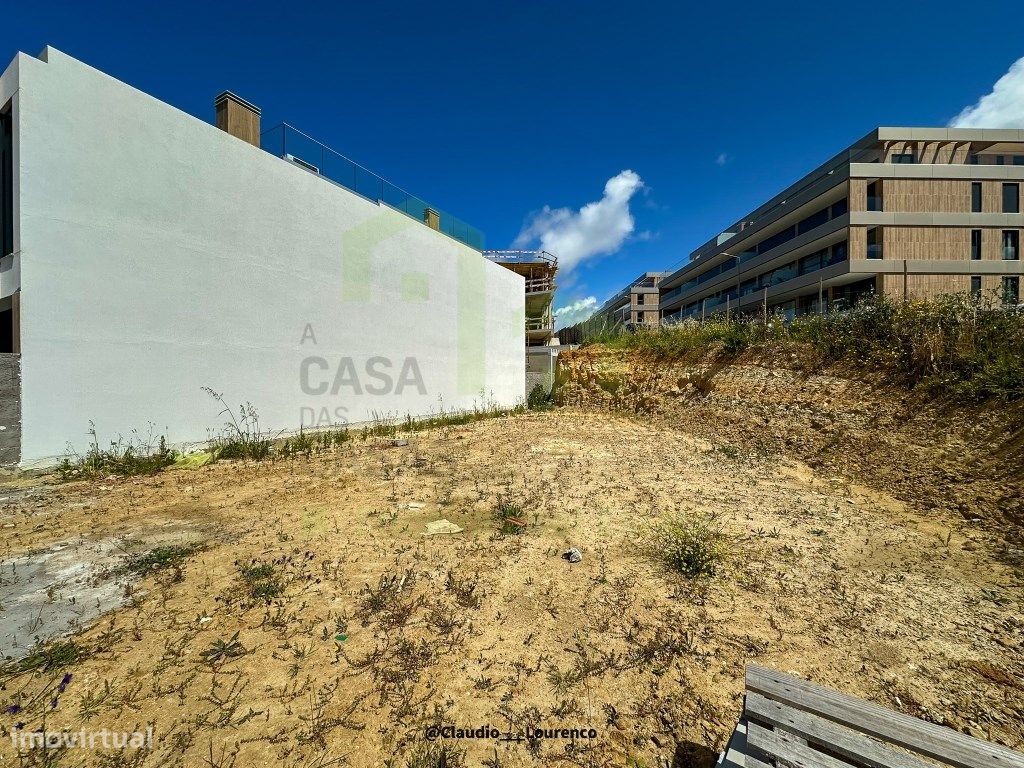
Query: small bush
46	658
137	456
510	517
241	437
261	581
158	559
539	398
436	754
690	543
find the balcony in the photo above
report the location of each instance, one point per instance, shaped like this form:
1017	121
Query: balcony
540	285
874	203
291	144
874	250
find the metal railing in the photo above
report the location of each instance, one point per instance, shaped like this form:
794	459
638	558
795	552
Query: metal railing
522	257
540	285
292	144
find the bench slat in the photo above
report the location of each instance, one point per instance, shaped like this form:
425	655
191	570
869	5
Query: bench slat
837	739
778	746
928	739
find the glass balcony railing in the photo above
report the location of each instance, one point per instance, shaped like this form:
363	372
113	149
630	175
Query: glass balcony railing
292	144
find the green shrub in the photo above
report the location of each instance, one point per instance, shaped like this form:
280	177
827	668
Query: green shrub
46	658
262	581
690	543
510	517
137	456
539	398
158	559
241	437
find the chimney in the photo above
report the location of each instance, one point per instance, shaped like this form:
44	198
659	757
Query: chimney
238	117
432	219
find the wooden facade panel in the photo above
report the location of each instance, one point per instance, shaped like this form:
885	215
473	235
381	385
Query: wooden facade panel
858	199
933	243
858	246
924	286
991	197
926	195
239	121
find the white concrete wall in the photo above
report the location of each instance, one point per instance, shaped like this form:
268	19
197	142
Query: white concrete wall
159	255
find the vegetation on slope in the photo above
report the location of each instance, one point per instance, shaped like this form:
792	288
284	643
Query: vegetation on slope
958	346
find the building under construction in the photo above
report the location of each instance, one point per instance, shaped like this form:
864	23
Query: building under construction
538	268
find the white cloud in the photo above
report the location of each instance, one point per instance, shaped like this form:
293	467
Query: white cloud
722	159
1002	108
597	229
576	312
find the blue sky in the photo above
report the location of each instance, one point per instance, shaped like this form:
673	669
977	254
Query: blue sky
494	113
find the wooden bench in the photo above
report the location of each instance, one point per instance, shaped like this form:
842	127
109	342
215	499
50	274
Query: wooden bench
787	721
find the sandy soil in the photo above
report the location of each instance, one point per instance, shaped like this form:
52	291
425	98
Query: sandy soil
379	632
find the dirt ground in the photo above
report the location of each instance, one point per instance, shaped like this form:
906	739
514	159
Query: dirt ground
318	626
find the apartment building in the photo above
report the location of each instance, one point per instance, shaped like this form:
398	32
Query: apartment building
905	212
148	254
637	303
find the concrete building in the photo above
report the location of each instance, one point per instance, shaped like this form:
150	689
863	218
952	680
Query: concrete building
148	253
636	304
907	212
538	269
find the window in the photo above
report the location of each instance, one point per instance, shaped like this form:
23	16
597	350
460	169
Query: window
874	196
975	244
640	299
812	221
812	263
976	286
839	208
903	158
1011	290
777	239
1011	244
1000	160
838	253
874	247
1011	198
1018	159
976	197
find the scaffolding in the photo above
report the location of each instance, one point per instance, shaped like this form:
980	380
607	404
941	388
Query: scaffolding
538	269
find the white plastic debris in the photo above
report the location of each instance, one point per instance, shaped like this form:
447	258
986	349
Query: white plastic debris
573	555
436	527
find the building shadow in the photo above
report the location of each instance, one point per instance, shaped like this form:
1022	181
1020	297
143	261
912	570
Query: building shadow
689	754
